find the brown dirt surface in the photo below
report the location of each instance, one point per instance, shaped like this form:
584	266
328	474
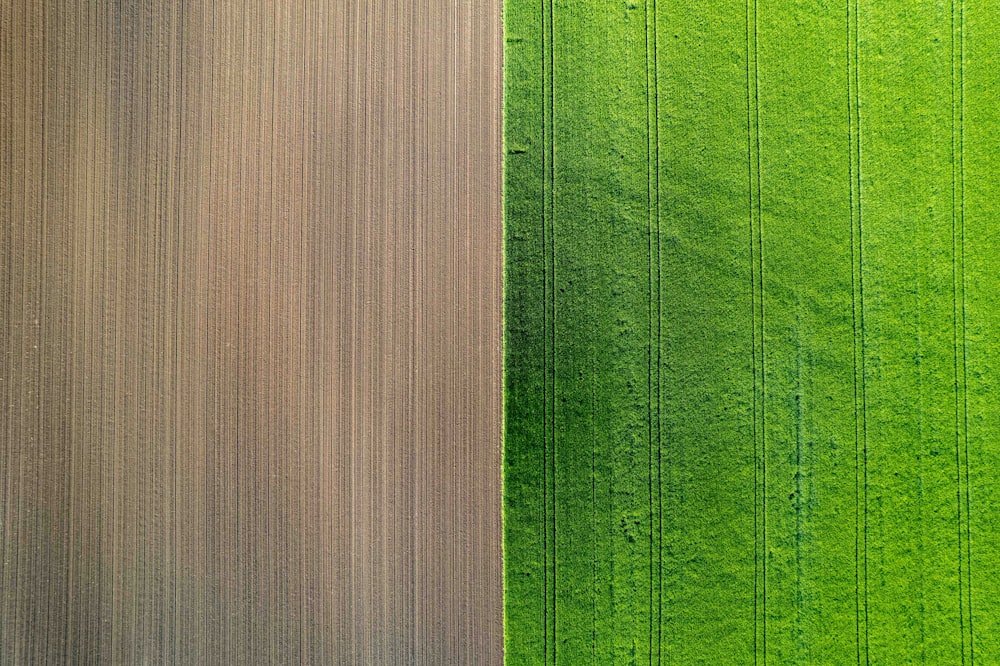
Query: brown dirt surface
250	326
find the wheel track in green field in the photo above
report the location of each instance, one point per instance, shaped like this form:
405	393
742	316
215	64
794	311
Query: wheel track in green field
756	252
858	315
655	333
960	353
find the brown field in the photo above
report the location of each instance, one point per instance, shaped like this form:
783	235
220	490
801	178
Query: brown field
250	332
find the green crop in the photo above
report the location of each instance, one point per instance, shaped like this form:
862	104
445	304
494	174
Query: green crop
752	332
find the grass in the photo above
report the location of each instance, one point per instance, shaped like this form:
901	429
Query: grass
750	332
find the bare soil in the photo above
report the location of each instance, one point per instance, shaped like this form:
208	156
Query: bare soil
251	314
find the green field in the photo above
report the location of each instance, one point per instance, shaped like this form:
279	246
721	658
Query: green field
752	332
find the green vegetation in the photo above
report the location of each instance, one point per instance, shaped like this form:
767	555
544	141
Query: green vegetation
752	315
